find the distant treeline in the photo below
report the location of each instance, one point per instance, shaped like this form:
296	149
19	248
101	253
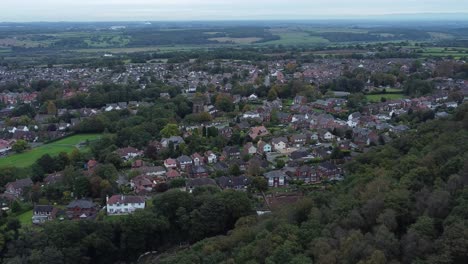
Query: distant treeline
375	35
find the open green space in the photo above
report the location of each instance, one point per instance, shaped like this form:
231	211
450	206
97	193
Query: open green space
389	96
295	38
64	145
26	218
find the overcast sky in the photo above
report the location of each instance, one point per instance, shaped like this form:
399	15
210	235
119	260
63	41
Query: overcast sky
159	10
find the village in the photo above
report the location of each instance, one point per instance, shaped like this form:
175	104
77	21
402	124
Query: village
268	145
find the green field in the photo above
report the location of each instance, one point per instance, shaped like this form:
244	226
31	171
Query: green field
64	145
295	38
374	98
26	218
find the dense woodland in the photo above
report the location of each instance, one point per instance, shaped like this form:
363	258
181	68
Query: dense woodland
405	202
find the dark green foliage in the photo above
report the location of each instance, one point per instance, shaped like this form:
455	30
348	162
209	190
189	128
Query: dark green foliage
404	202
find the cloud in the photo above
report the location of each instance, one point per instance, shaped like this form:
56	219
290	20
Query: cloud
99	10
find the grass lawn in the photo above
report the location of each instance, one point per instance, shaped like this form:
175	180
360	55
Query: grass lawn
64	145
26	218
376	97
295	38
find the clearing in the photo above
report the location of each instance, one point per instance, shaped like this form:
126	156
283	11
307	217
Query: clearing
67	145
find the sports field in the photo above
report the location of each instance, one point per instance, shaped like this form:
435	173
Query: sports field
67	145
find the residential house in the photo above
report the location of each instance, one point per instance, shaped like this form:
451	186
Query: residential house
81	209
129	153
91	165
251	115
220	166
124	204
199	182
197	171
279	143
152	170
276	178
43	213
172	174
17	187
249	149
53	178
298	140
326	135
299	155
184	161
234	182
197	159
170	163
142	184
231	152
258	131
328	170
226	132
174	140
307	174
263	147
210	157
300	100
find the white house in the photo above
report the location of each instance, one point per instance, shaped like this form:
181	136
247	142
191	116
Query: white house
253	97
23	129
251	114
124	204
328	136
211	157
279	143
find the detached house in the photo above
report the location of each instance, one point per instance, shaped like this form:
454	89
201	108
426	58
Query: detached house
198	182
300	100
249	149
142	184
276	178
328	170
231	153
17	187
234	183
170	163
81	209
298	140
129	153
197	159
124	204
263	147
259	131
184	161
279	143
197	171
43	213
210	157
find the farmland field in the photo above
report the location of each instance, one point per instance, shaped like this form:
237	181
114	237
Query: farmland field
295	38
64	145
376	97
236	40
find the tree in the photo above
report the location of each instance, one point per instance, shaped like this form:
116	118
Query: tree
272	94
51	108
170	130
20	146
224	103
259	184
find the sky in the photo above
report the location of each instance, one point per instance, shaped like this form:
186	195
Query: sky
190	10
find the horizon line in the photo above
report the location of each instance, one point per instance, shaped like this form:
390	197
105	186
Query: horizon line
386	17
